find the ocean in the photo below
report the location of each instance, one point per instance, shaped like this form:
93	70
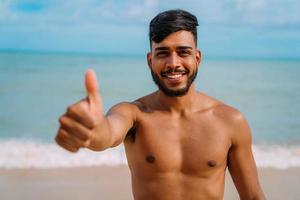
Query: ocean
36	88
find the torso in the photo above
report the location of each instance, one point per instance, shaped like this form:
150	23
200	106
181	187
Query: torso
178	157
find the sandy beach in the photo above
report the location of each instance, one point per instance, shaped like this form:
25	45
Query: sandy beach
113	183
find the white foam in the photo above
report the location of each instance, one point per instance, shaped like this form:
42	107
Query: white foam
29	154
276	156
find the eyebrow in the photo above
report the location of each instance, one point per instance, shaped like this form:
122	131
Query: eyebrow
177	48
161	48
184	47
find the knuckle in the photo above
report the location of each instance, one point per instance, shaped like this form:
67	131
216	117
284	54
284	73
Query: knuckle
62	135
73	149
76	108
88	135
93	122
86	143
65	145
71	109
59	142
83	137
69	148
61	119
81	105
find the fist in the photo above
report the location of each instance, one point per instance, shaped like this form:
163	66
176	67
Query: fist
78	125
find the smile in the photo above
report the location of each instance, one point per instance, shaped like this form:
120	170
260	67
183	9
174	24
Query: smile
176	74
173	76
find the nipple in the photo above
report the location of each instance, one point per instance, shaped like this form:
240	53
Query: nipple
150	159
212	163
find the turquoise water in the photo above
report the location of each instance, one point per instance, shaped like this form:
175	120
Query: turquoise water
36	88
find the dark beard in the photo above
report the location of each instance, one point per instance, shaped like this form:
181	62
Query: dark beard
174	93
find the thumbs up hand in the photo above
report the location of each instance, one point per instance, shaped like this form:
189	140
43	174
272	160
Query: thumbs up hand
83	123
93	95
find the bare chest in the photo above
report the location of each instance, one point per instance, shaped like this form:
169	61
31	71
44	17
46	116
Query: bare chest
193	146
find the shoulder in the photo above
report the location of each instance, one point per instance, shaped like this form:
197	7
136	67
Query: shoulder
235	122
133	107
123	110
123	106
228	113
220	110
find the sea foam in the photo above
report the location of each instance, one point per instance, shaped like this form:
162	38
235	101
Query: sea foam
30	154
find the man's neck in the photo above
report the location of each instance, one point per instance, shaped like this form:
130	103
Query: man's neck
179	105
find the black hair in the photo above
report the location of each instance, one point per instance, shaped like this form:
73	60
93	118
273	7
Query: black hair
170	21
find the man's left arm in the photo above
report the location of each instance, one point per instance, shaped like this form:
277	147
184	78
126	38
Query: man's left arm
241	163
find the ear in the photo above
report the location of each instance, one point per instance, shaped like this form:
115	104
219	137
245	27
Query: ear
198	57
149	59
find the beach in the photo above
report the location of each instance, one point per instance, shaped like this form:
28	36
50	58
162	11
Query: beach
113	183
249	60
36	88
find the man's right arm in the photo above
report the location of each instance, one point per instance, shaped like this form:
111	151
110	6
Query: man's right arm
119	120
84	125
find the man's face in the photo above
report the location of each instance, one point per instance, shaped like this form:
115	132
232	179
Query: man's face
174	63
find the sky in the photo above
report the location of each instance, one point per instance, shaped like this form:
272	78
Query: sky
228	28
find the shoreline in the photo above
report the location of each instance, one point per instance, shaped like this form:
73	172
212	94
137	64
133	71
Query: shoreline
19	154
107	182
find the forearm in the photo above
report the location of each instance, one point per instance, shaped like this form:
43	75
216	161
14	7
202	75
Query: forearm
255	195
113	127
102	137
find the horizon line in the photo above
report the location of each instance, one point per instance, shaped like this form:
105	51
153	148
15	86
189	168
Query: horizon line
86	53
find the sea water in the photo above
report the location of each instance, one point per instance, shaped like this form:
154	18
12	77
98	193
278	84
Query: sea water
36	88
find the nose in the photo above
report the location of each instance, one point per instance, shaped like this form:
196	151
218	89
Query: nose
173	61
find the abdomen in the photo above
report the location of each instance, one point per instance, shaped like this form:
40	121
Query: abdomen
177	186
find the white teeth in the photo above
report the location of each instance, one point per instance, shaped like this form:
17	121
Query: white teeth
174	76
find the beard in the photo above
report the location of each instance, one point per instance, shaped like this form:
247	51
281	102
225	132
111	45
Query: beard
174	92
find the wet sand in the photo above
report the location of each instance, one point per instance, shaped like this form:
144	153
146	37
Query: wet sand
113	183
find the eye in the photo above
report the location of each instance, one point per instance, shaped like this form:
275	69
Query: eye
162	53
184	53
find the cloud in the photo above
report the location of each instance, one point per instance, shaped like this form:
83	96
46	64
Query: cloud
88	12
75	13
242	12
92	24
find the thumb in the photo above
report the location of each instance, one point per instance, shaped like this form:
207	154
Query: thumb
91	85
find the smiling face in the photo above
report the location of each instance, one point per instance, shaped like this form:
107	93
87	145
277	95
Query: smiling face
174	63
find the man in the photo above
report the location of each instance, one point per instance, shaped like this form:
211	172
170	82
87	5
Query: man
178	141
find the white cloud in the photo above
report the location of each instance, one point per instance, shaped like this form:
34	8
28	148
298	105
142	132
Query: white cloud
265	12
89	25
4	11
89	12
151	3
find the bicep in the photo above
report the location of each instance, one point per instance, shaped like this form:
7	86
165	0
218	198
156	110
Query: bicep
121	118
241	163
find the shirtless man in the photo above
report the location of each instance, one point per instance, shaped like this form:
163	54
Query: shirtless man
178	141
